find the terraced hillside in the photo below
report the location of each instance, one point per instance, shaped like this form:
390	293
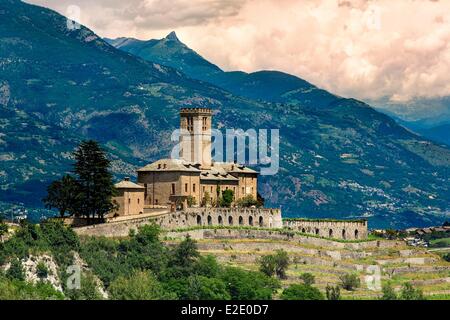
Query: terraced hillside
328	260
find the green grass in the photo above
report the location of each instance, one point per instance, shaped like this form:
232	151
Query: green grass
440	243
283	231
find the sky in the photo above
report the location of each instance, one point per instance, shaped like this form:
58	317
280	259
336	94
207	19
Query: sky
395	50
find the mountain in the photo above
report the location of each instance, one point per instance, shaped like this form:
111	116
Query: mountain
273	86
59	85
439	133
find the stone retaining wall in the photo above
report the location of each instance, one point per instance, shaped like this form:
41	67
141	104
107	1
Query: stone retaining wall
344	230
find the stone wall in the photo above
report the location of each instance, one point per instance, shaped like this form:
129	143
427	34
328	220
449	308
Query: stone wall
345	230
191	217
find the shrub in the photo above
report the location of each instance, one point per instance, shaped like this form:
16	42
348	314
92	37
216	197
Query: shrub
350	281
388	293
88	290
301	292
16	270
248	285
247	201
42	270
308	279
408	292
333	293
138	286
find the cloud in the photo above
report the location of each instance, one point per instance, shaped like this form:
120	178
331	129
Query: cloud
368	49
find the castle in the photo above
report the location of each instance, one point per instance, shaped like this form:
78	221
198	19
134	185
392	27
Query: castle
186	192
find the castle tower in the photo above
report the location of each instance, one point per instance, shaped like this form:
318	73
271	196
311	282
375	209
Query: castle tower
196	143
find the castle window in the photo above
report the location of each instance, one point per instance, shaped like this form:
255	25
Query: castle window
193	187
156	201
220	220
343	234
173	188
129	200
199	220
211	189
250	220
317	231
241	221
138	200
303	230
261	221
243	190
185	187
204	123
204	188
356	234
190	123
209	220
230	220
330	233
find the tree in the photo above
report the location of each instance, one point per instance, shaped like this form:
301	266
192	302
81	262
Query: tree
227	198
267	265
247	201
63	195
139	286
281	263
3	230
248	285
307	278
16	270
333	293
94	179
301	292
183	258
410	293
388	292
191	201
206	199
349	281
275	264
204	288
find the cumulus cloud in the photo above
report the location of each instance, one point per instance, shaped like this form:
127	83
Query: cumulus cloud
368	49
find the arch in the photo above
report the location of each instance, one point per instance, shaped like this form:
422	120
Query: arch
261	221
356	234
250	220
241	220
303	230
317	231
230	220
220	220
343	234
209	220
199	220
330	233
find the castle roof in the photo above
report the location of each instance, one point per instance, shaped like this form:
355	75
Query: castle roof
127	184
165	165
231	167
217	175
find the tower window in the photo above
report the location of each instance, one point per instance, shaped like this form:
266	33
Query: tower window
185	187
173	188
193	187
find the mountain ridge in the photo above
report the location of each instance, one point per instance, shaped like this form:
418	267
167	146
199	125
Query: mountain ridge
338	158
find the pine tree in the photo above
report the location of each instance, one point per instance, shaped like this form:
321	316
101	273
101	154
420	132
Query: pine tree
95	180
